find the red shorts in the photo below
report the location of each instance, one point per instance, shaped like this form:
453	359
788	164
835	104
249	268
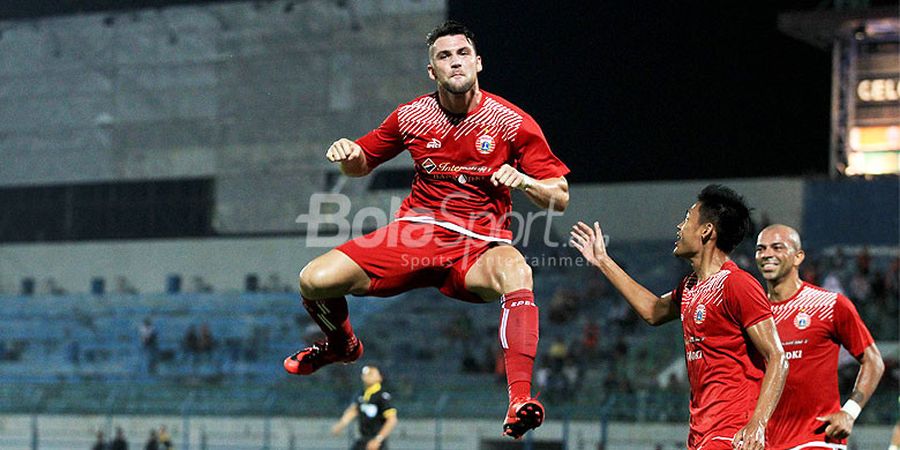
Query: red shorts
407	255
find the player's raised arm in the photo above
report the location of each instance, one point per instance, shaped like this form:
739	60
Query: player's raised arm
350	156
654	309
765	338
548	193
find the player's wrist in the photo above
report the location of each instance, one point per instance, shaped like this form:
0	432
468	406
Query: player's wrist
526	183
852	409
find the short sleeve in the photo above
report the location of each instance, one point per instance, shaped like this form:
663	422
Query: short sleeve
679	291
385	405
382	143
850	330
535	158
746	300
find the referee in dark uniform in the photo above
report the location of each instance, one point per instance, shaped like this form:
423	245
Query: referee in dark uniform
377	418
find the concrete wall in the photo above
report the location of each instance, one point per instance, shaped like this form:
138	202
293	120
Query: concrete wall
223	263
651	210
68	432
249	93
628	212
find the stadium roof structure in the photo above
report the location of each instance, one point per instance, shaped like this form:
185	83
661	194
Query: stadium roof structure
821	27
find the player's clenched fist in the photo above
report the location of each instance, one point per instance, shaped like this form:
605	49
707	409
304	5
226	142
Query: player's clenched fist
510	177
343	150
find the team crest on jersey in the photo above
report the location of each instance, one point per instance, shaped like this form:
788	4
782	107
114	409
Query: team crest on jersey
462	179
700	315
802	320
485	144
429	165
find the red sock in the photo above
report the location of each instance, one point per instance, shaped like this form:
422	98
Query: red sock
332	317
519	339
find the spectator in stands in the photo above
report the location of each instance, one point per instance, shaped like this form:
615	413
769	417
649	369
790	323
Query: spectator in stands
190	344
165	439
590	339
563	306
200	285
100	444
73	349
53	288
558	353
152	441
123	286
206	342
149	345
119	442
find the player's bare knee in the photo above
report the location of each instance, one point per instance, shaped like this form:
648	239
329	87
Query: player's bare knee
313	281
513	274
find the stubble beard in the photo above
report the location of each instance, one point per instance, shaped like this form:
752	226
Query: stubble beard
460	89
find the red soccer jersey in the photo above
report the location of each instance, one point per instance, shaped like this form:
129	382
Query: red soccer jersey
724	368
455	156
813	324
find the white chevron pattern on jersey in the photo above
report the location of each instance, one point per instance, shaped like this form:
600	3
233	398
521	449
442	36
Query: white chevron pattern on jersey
712	287
424	114
812	301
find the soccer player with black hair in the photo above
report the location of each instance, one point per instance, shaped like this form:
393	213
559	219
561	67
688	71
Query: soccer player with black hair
735	361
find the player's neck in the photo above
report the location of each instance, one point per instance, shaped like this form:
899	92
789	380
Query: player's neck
460	103
708	261
784	288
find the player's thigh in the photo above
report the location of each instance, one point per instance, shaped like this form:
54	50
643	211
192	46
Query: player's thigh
332	274
497	271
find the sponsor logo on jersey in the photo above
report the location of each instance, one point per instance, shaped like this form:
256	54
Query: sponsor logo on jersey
462	178
429	165
434	143
700	315
794	354
802	320
485	144
369	409
694	355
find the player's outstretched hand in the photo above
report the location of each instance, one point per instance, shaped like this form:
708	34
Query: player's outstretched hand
343	149
589	241
840	425
751	437
508	176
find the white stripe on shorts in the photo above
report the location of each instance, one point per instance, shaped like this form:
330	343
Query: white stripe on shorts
453	227
820	445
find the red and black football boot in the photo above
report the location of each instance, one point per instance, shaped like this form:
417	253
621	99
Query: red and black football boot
322	353
524	414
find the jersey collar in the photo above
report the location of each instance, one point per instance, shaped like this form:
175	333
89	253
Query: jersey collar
367	394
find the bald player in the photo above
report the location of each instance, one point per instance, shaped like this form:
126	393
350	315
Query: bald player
813	325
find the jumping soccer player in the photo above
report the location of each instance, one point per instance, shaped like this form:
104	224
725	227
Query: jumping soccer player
813	324
470	148
736	366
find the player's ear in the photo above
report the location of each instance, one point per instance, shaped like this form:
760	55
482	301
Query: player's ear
431	71
478	63
707	231
799	257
